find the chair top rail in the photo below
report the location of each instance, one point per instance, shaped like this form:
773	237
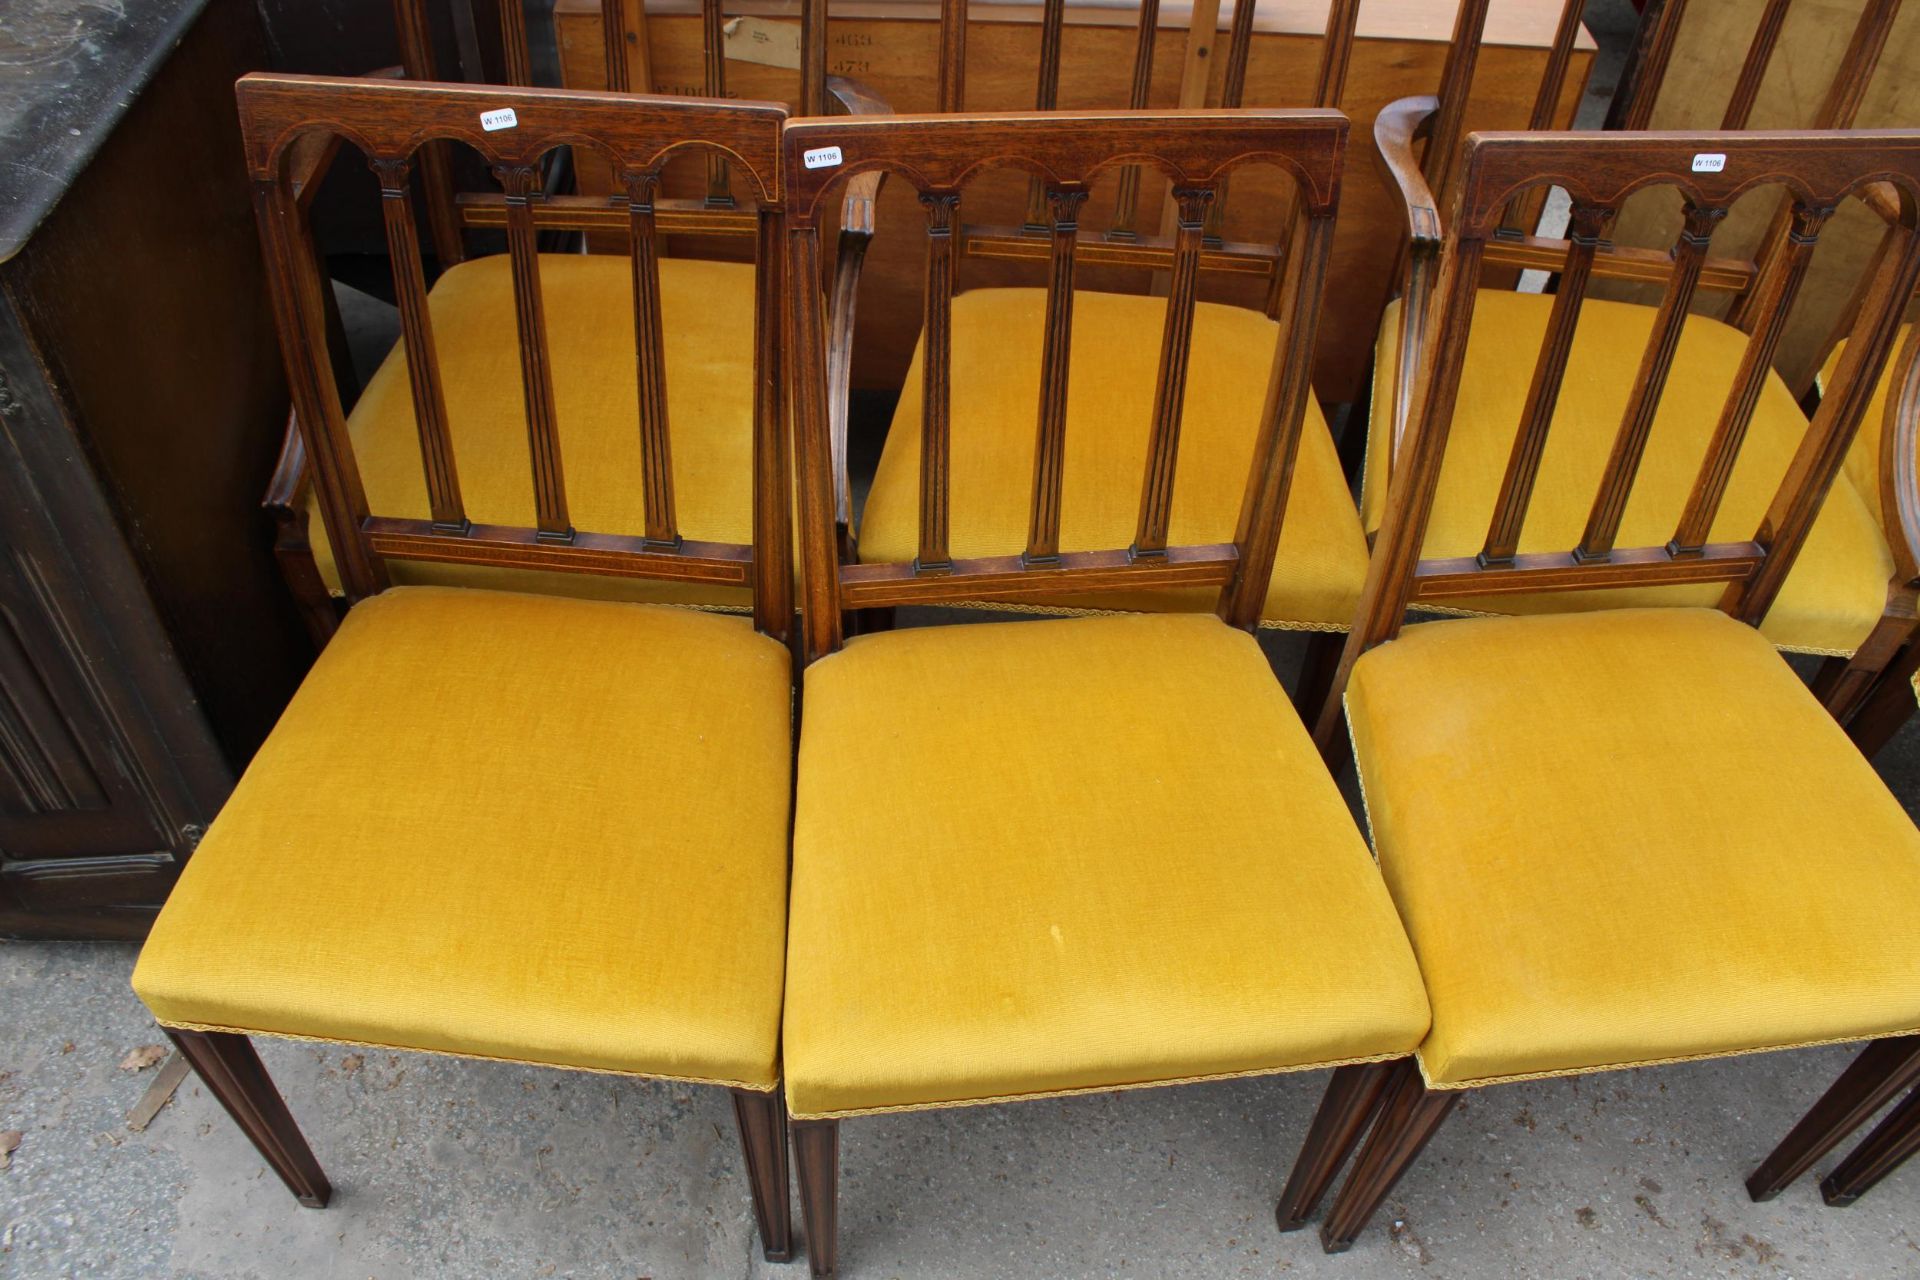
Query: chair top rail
388	119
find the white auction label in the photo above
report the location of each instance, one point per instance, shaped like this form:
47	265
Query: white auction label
493	121
1710	162
821	157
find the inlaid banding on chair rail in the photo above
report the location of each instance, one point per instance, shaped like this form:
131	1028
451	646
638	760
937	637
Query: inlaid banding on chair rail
1636	424
937	156
416	333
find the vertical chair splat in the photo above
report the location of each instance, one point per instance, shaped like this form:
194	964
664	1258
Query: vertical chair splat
1170	389
1050	444
1776	295
936	387
1543	395
536	360
1630	443
650	361
416	334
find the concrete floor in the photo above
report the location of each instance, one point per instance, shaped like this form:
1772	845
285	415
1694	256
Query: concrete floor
452	1168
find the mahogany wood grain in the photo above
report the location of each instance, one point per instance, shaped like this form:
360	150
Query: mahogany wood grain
1891	1144
762	1121
1882	1069
938	156
1353	1095
893	45
391	121
230	1068
1600	172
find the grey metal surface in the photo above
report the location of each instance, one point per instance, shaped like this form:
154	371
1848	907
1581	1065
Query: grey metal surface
69	69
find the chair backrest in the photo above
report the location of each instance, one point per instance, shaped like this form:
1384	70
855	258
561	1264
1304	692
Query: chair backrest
393	123
1599	171
449	213
1632	109
938	156
1125	237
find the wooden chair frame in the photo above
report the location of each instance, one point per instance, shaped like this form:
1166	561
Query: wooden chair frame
1124	243
449	215
394	123
1066	152
1883	1069
1600	170
1420	180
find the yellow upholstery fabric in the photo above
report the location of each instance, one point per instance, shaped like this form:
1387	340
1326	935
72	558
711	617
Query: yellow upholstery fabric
1078	853
1838	587
1863	460
1629	836
707	313
1115	361
508	826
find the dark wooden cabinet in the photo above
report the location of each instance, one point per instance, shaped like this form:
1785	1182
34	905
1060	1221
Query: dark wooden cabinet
146	644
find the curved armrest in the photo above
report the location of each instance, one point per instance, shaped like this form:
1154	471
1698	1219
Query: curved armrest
1395	130
285	501
856	231
1900	459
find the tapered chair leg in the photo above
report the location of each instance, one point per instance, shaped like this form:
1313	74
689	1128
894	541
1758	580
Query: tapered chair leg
1886	1149
1409	1115
1348	1104
1882	1070
816	1148
762	1118
233	1073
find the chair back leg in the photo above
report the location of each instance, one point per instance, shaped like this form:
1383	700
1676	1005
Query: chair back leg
1409	1115
1349	1103
1882	1070
762	1118
1886	1149
232	1071
816	1147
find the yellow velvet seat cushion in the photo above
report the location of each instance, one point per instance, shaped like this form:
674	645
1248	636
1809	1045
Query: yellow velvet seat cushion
1629	836
707	316
1069	854
1115	362
1838	587
508	826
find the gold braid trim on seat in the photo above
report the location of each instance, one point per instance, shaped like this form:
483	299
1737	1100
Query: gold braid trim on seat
1524	1076
1097	1088
1451	611
471	1057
